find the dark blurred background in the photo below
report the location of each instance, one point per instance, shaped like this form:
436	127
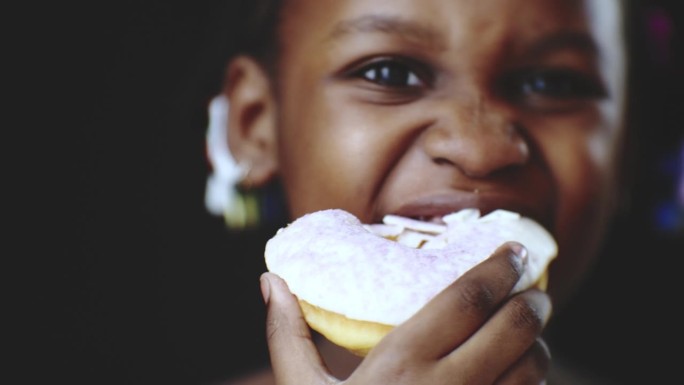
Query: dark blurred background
124	278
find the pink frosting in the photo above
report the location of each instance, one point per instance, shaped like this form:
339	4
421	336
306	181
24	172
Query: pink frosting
331	260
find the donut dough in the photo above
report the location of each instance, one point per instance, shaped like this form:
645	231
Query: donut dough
355	281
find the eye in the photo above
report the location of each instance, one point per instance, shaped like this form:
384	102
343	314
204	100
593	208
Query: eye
393	73
551	89
561	84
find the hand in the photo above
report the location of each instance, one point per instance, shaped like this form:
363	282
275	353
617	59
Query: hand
471	333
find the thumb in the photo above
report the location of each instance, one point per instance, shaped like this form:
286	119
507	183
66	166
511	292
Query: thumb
294	357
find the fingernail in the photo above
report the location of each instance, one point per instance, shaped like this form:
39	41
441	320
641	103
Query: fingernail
521	252
265	288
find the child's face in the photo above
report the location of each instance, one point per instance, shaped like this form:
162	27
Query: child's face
423	107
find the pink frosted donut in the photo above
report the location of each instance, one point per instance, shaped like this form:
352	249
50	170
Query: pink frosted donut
355	281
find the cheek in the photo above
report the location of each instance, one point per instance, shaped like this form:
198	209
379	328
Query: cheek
583	168
329	159
584	180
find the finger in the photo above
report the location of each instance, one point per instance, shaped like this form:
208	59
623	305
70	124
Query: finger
460	309
532	368
294	357
505	338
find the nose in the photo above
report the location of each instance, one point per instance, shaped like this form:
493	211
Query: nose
476	138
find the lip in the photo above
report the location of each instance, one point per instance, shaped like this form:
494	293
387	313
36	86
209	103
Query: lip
440	204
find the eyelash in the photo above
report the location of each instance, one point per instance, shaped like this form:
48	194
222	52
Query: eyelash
394	73
539	89
550	88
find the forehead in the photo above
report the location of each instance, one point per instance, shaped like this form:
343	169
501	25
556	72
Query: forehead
311	24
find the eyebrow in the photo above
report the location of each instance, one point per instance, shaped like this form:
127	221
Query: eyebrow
564	40
391	25
428	35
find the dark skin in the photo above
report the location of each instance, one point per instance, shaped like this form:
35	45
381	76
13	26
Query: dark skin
421	108
422	350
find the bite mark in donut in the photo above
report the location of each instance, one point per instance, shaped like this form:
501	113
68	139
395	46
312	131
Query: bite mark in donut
355	282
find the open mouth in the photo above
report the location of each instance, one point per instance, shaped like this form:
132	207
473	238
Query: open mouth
410	231
431	231
432	224
432	209
430	219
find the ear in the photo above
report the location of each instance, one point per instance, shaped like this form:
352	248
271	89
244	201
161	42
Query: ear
252	119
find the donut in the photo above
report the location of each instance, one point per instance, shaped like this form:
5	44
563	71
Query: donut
355	282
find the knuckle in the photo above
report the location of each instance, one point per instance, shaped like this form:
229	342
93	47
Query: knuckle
278	328
532	368
272	328
535	365
524	315
541	356
477	297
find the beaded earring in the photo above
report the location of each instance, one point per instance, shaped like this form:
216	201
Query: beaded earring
225	194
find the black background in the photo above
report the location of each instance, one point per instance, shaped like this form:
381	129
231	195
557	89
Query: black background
121	277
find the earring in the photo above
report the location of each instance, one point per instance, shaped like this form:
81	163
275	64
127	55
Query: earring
243	210
227	194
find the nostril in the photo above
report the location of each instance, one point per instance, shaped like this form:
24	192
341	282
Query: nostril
443	162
